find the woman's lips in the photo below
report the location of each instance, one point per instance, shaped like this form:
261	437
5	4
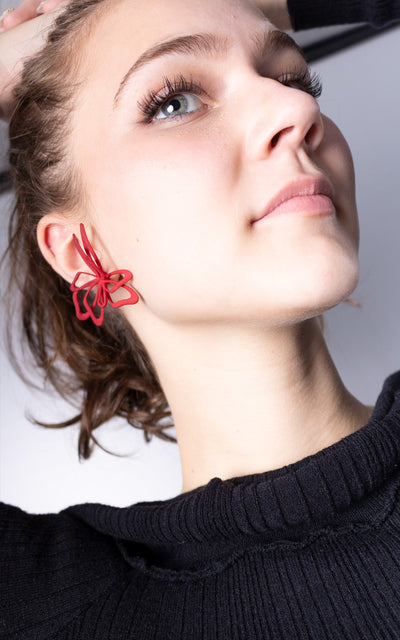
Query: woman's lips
309	195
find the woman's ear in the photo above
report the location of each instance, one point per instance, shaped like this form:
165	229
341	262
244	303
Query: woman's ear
55	239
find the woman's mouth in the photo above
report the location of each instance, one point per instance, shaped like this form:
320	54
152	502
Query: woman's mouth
308	195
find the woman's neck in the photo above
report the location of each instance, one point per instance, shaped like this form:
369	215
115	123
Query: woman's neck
249	401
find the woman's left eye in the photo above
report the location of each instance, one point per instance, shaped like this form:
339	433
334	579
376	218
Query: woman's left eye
303	80
179	105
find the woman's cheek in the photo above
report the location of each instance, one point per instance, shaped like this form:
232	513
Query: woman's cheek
336	161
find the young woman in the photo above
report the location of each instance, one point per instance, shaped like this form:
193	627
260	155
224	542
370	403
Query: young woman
184	215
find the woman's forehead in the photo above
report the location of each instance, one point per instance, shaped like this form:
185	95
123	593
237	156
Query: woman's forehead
138	26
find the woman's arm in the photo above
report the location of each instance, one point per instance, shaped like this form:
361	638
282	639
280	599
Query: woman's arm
305	14
18	43
319	13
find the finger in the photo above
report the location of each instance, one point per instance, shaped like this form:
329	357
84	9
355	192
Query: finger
48	5
4	17
25	11
16	45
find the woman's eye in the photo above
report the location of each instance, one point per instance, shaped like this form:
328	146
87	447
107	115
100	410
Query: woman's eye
179	105
304	81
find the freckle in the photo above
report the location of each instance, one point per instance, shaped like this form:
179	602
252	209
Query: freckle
137	239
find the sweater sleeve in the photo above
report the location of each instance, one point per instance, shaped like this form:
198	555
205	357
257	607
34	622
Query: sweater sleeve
52	568
305	14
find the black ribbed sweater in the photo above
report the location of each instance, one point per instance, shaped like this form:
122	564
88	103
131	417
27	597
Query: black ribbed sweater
309	551
306	14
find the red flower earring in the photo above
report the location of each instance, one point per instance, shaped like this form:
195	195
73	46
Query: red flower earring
102	280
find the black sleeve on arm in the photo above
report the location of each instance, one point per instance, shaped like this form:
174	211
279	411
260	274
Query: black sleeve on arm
52	568
305	14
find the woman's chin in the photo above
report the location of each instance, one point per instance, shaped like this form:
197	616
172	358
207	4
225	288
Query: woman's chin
307	298
323	298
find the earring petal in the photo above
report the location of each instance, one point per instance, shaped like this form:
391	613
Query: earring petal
102	281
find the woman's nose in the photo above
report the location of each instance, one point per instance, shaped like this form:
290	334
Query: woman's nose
285	118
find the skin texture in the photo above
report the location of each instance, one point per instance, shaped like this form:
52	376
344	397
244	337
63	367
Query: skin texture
33	19
213	172
228	309
276	10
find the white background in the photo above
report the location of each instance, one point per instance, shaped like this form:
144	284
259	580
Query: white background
39	468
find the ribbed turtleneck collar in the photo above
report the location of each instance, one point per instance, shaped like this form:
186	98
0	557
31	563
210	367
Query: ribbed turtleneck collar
318	490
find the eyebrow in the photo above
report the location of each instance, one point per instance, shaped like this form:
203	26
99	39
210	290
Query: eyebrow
207	44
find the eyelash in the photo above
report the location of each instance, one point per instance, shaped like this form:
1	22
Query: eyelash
305	81
152	103
154	100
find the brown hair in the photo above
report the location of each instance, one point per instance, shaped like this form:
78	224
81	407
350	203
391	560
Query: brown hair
108	372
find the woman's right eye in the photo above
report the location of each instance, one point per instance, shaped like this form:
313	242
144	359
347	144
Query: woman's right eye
177	98
179	105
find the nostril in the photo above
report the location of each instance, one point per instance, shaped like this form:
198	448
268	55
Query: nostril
310	135
277	137
274	141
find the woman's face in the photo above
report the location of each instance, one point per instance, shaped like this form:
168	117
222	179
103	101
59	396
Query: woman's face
182	146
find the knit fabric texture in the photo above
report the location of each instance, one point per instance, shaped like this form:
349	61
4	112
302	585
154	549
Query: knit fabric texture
306	14
308	551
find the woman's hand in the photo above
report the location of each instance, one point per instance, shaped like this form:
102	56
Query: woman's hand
27	10
21	38
276	11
